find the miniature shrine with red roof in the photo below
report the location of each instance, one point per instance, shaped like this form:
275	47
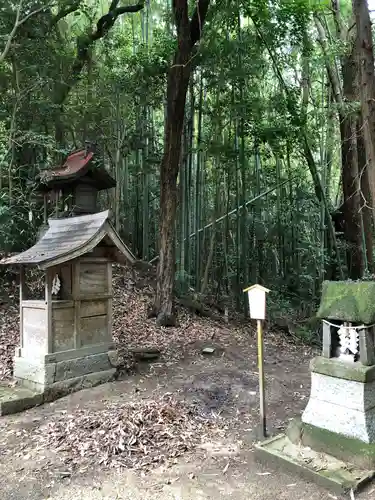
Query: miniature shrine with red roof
66	336
72	189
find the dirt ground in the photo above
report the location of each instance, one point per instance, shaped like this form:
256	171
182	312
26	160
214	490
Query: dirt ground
222	467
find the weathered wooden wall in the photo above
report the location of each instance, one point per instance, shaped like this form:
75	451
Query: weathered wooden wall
80	318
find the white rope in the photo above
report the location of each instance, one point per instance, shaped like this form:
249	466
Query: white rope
359	327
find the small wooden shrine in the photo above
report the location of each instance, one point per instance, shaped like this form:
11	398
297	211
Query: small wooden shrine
66	338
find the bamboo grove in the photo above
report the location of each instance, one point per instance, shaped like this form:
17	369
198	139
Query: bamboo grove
275	174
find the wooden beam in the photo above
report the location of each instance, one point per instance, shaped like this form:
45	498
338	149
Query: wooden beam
109	302
76	269
48	302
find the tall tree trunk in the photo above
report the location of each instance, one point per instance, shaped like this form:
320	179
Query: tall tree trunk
349	159
188	180
199	242
365	197
350	178
367	83
188	34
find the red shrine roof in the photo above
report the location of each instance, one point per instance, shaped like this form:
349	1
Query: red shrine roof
76	166
73	164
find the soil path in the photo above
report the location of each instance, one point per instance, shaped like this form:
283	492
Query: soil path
225	385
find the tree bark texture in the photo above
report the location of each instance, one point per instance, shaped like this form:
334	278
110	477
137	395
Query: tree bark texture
188	34
366	84
365	197
349	158
350	177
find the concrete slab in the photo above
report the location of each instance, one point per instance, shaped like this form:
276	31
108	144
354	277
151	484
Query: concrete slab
323	469
16	399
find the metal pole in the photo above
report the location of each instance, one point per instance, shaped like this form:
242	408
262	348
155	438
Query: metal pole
261	378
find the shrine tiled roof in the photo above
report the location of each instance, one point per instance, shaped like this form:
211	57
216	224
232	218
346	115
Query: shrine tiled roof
69	238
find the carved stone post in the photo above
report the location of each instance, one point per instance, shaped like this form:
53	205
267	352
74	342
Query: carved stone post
366	346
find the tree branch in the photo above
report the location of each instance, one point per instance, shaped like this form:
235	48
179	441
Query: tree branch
85	42
337	17
113	5
130	8
67	8
333	77
189	29
197	20
18	22
181	17
106	22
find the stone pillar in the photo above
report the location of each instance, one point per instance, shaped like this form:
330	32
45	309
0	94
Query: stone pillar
366	346
327	340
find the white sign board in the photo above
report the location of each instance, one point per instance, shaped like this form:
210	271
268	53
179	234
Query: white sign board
257	301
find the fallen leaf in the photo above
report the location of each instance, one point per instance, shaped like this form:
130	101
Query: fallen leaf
171	480
63	473
136	435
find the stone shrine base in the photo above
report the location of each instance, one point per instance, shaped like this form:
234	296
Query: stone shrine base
321	468
331	460
342	399
55	376
325	470
333	444
344	448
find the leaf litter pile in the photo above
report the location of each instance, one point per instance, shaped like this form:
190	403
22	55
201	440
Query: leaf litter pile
138	435
133	294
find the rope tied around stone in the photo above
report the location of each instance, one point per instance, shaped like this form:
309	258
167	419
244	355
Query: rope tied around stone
358	327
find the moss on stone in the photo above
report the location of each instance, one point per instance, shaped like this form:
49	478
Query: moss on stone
339	476
333	367
352	301
342	447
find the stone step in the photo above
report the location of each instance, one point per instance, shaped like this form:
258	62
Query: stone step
323	469
16	399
